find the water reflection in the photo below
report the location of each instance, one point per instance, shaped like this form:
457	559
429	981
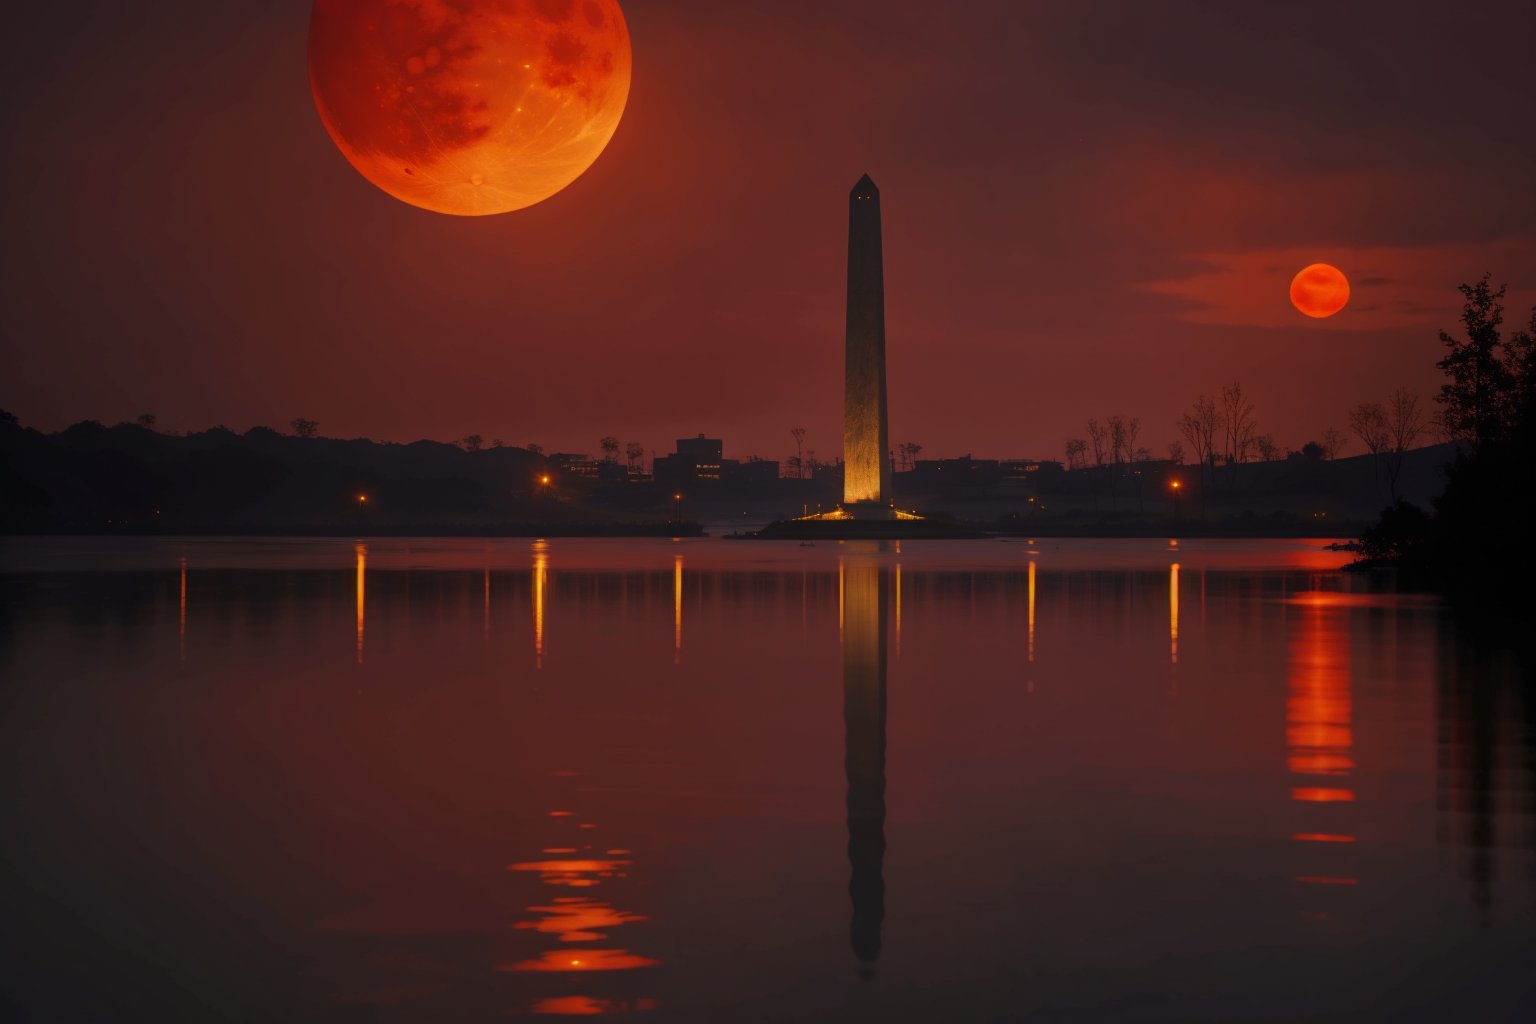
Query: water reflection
412	851
540	581
181	614
1487	752
1319	741
1030	642
677	609
865	587
362	569
579	919
1173	614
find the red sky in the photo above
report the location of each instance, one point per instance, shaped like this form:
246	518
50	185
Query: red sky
1089	209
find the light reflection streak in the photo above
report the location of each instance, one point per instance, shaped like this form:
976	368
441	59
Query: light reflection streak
540	580
1030	643
1173	614
1319	736
577	922
487	615
677	609
839	600
362	567
181	622
898	604
586	1006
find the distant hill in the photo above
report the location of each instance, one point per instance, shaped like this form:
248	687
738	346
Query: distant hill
92	477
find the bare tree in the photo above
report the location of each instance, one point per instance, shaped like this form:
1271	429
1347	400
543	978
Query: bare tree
634	456
1265	445
1369	422
473	443
146	420
1237	422
1117	439
1176	452
537	449
799	435
1098	441
498	443
1405	423
1077	453
1200	427
610	447
1333	442
304	427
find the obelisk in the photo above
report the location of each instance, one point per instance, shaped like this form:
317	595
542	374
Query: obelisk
866	439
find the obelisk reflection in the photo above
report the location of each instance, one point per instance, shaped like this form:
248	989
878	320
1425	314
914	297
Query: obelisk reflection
866	589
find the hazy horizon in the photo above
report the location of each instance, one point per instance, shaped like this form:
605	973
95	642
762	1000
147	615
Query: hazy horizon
1087	212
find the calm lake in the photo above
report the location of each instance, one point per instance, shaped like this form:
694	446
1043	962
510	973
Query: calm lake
464	780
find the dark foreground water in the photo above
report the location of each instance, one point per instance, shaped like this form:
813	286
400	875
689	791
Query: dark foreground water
425	780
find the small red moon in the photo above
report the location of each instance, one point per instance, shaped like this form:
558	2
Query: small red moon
469	107
1320	290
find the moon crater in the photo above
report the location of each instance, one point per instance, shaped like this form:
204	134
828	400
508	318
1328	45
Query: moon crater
470	106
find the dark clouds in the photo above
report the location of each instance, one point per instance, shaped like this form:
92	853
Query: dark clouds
1086	205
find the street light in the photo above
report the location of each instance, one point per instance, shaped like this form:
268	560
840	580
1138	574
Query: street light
362	499
677	509
1177	486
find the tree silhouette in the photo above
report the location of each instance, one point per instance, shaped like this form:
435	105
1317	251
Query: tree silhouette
1333	442
1098	440
634	455
1369	422
610	447
1077	453
1237	423
1487	372
1200	427
304	427
146	420
1405	423
473	443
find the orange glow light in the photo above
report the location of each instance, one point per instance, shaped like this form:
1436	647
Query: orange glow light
588	960
1321	795
1319	290
362	567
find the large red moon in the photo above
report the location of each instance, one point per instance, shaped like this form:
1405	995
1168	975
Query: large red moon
1319	290
469	107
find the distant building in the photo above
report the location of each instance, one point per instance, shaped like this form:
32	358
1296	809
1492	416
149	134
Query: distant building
582	467
698	468
933	476
696	461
